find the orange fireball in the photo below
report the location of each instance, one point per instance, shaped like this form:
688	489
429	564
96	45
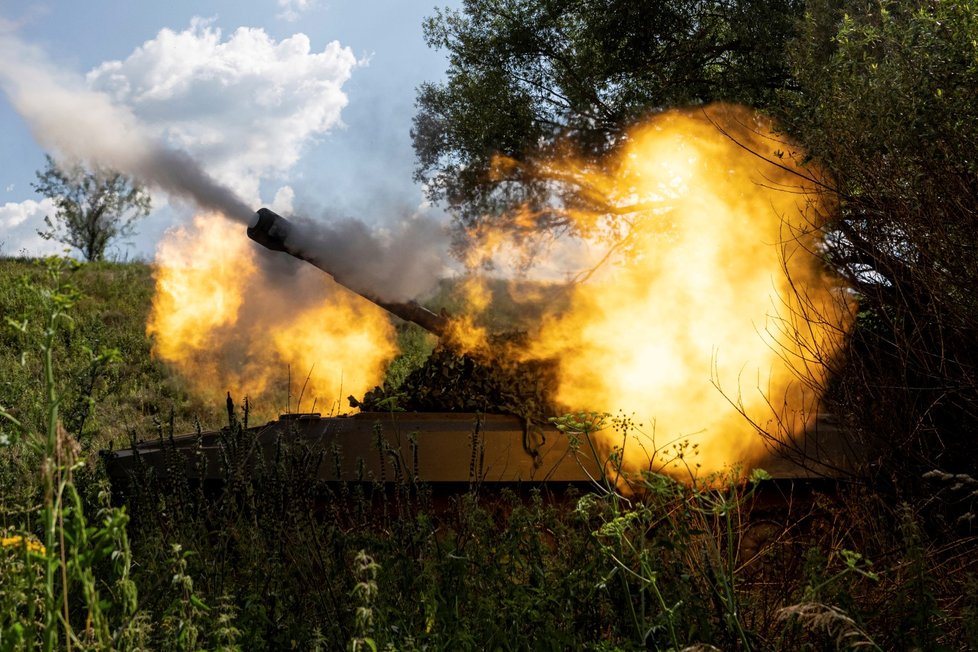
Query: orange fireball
710	320
700	310
287	336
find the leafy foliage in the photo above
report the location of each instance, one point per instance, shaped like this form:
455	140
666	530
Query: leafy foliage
110	387
453	382
95	207
524	78
886	102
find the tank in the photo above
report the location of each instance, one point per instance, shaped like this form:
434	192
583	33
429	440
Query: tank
439	449
447	451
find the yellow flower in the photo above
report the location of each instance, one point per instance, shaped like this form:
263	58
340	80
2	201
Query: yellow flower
32	544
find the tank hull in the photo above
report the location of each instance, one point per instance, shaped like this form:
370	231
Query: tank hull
433	448
447	451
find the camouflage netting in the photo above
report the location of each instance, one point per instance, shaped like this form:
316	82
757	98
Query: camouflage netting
453	382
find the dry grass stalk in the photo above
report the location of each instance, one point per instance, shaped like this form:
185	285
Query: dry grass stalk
837	624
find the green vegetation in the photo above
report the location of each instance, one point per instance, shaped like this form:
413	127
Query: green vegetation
525	79
277	562
109	387
885	100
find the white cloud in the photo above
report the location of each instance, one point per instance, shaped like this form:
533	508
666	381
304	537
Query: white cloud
19	223
283	201
292	9
244	106
14	214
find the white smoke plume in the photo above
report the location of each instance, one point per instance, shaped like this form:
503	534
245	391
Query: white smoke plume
77	123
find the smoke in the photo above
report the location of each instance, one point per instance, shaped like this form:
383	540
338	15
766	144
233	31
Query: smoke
76	123
398	262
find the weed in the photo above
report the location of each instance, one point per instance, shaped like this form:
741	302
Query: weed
62	577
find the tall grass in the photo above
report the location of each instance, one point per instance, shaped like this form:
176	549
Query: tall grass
108	384
276	561
54	581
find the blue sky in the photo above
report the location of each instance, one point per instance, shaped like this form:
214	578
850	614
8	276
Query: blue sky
302	104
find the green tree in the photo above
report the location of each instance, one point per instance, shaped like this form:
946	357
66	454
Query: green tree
526	77
94	206
885	99
882	94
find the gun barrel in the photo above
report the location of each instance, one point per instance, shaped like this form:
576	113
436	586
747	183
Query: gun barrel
272	231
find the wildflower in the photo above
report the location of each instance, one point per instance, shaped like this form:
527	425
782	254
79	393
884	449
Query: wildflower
32	544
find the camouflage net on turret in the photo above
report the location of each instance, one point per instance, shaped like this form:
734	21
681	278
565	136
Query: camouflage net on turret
453	382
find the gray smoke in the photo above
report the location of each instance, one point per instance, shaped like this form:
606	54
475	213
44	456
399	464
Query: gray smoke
78	124
400	263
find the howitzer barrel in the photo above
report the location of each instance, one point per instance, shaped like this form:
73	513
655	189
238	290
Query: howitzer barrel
273	231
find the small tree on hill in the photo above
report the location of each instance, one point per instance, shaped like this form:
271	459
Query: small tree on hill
94	206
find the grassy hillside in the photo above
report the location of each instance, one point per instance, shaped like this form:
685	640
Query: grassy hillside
110	386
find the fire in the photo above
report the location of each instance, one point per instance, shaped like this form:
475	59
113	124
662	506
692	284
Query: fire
699	311
711	323
463	331
225	323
